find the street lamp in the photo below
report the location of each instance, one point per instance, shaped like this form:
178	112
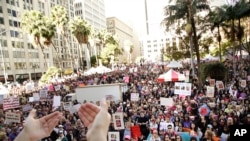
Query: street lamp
4	71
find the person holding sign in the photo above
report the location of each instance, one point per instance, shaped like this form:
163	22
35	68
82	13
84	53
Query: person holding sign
97	119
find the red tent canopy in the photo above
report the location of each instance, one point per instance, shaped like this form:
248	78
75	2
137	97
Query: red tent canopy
171	75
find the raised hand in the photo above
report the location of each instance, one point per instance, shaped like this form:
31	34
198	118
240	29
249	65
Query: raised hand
36	129
97	119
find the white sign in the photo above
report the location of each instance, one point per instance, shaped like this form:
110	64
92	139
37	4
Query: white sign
12	117
181	88
36	96
210	91
113	136
166	101
134	96
118	121
67	106
56	101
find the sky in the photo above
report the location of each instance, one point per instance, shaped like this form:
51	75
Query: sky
132	12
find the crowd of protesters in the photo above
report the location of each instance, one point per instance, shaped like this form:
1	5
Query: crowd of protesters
156	122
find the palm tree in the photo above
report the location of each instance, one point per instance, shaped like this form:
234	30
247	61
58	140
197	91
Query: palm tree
40	29
234	13
60	19
81	29
183	11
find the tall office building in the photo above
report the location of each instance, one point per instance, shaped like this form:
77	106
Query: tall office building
93	11
19	59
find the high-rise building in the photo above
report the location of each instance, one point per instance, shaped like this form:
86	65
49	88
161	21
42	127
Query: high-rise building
93	11
19	59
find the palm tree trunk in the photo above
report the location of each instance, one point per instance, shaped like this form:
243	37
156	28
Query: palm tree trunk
44	57
219	40
80	54
195	41
57	56
69	51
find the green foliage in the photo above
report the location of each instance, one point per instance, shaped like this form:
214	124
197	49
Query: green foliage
109	50
215	71
51	72
106	38
81	29
59	17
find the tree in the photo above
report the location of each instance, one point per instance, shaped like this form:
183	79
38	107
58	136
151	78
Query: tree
60	19
81	29
184	11
40	29
110	52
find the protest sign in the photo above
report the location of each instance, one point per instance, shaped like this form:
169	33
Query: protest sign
118	121
12	117
181	88
27	107
11	103
210	91
243	83
56	101
134	96
43	94
67	106
166	101
113	136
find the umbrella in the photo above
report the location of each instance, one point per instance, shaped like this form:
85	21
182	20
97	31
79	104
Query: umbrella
174	64
173	76
204	110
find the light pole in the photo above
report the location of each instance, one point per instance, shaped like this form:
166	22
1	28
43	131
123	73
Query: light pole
4	71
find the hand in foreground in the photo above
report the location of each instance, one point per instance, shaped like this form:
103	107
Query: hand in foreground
97	119
36	129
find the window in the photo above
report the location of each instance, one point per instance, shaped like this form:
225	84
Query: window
9	11
1	9
14	13
12	33
1	20
3	43
11	23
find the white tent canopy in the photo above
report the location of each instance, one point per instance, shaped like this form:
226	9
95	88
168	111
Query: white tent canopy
100	70
174	64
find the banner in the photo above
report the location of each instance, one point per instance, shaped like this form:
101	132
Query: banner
166	101
12	117
181	88
134	96
118	121
11	103
113	136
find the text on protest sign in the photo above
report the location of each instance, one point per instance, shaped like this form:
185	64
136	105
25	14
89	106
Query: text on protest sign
166	101
11	103
12	117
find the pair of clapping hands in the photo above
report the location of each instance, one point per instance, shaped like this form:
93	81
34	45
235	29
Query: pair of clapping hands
97	119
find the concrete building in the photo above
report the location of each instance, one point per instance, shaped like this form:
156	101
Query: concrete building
19	59
126	37
93	11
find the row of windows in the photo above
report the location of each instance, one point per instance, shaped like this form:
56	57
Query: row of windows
78	12
11	12
28	1
14	23
14	34
5	54
1	9
20	65
78	5
33	55
13	2
6	65
155	50
17	44
18	54
3	43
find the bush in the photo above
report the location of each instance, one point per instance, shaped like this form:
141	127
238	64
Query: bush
215	71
